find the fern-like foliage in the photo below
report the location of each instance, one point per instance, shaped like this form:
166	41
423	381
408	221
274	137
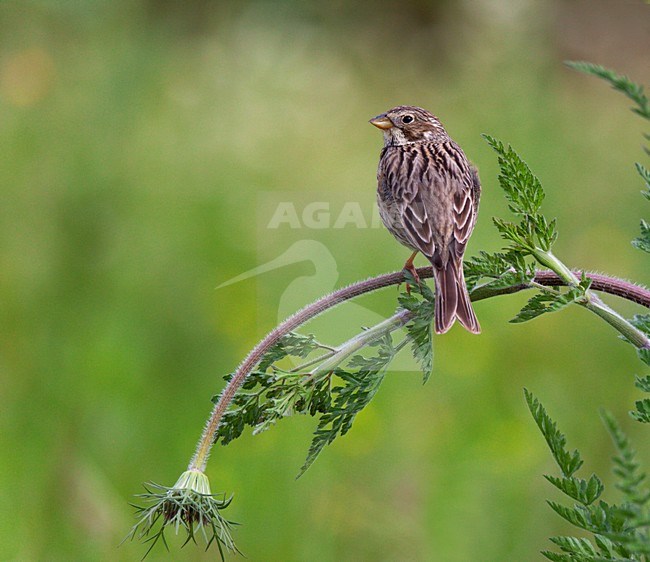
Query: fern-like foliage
334	394
628	470
641	107
335	384
642	242
642	412
642	322
499	270
270	394
530	241
552	300
359	383
619	82
619	531
525	195
635	92
645	175
569	462
420	301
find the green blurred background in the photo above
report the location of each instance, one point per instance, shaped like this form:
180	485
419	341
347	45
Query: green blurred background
145	147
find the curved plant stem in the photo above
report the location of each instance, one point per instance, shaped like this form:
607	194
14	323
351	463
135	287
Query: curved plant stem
603	283
359	341
624	289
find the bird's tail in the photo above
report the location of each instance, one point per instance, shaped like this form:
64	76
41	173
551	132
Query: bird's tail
452	299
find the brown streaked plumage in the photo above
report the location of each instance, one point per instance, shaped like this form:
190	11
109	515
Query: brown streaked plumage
428	195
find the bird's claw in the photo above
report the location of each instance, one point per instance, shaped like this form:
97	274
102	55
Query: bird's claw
414	272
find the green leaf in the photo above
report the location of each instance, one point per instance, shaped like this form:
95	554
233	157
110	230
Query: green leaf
246	407
525	195
583	491
577	515
602	518
519	234
643	242
569	463
542	303
626	467
265	398
578	547
418	330
501	269
635	92
349	400
620	532
546	232
642	322
522	188
643	383
555	557
619	82
642	412
645	174
606	547
293	344
360	383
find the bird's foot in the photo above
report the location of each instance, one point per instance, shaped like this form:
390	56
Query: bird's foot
408	266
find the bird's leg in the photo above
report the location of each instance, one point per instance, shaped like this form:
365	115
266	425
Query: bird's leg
408	266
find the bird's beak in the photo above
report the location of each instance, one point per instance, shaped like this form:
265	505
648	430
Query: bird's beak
381	122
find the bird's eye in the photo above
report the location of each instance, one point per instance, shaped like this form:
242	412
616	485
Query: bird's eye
407	119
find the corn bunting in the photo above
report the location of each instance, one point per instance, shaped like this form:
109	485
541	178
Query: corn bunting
428	194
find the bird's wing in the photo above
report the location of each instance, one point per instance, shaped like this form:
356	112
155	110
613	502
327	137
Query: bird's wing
435	191
466	194
405	213
463	216
443	203
416	220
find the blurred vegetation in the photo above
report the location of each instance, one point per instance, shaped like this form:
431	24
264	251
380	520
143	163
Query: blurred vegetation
145	146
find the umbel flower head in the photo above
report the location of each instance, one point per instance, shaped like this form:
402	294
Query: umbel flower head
188	505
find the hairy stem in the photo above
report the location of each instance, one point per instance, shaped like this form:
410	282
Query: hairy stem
602	283
593	302
613	318
200	458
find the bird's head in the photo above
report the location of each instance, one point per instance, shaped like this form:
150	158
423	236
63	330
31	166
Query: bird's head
407	124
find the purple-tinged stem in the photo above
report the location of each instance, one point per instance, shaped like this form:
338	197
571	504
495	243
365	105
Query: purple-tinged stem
603	283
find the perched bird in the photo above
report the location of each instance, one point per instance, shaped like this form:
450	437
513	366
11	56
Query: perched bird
428	195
